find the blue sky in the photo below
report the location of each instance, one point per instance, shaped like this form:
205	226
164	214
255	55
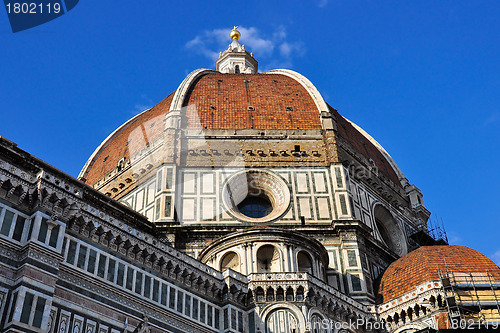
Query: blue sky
422	77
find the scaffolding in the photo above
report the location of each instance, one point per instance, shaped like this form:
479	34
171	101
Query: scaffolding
472	297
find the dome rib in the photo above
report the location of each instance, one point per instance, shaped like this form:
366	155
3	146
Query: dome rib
311	89
185	86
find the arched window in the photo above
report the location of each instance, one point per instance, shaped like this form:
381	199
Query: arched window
388	231
280	295
237	69
281	321
318	325
304	262
289	294
230	260
259	294
268	259
270	295
299	295
417	310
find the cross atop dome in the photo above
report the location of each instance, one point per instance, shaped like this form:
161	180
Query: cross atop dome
236	59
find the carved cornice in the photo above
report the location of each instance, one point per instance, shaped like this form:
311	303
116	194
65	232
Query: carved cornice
410	299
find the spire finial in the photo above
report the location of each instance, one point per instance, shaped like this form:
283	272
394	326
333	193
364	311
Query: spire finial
235	34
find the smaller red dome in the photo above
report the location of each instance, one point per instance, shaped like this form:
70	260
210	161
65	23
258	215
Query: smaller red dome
423	264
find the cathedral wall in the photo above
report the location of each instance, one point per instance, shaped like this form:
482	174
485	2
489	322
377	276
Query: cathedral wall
365	202
73	260
73	285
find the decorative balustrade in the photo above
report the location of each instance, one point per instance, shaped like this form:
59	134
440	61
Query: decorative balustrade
271	287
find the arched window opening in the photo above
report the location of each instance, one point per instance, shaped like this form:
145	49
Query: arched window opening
259	294
270	295
280	295
417	310
388	231
268	259
317	324
230	260
432	300
237	69
289	294
282	321
304	262
299	295
410	314
440	301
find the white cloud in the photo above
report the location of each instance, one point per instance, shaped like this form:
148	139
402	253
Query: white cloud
142	107
272	46
453	238
496	257
280	33
194	42
289	49
285	49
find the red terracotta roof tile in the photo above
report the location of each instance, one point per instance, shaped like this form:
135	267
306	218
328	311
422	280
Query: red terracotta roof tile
221	101
423	264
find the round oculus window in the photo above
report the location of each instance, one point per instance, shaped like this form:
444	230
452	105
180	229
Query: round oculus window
256	196
255	207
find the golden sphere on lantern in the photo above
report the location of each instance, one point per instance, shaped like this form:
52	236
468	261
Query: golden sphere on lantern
235	34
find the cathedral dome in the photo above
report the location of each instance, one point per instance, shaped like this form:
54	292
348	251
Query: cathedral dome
238	116
423	265
273	100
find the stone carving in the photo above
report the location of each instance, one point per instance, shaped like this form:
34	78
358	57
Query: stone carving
144	326
63	325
